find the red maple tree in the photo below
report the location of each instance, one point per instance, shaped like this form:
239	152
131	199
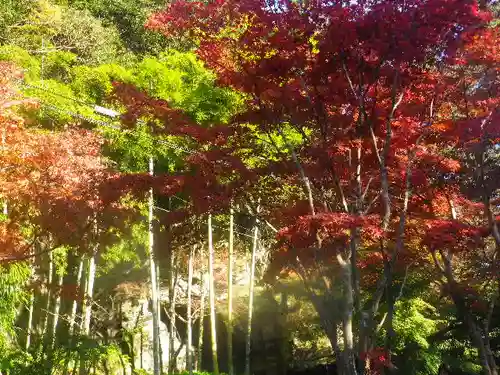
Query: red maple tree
53	183
375	92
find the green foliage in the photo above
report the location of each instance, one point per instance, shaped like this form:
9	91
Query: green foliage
85	36
456	351
13	280
415	321
15	363
181	79
92	352
56	97
132	148
144	372
12	12
66	87
86	351
49	28
22	59
57	104
94	84
275	144
128	17
38	27
59	65
127	252
178	78
60	259
91	84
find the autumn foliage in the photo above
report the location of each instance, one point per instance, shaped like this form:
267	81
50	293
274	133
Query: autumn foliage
51	182
368	139
368	85
395	104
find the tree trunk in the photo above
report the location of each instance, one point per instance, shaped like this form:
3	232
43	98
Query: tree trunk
479	339
160	347
189	325
347	320
213	317
30	320
87	305
391	302
477	336
482	344
74	307
57	307
202	310
153	276
124	367
248	346
29	328
141	343
5	208
172	363
328	323
83	289
72	323
230	295
49	296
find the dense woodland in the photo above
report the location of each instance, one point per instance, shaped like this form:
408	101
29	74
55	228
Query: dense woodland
249	187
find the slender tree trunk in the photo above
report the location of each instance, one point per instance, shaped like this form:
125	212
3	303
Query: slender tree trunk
477	336
30	320
74	307
213	317
72	323
83	288
133	349
160	347
57	307
230	295
5	208
329	321
87	314
189	325
124	367
482	344
141	349
153	276
49	296
173	301
29	328
87	306
202	310
106	367
248	346
347	320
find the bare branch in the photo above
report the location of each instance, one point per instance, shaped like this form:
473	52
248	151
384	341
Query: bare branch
305	179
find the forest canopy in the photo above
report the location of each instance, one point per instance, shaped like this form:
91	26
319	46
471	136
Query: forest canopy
249	187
